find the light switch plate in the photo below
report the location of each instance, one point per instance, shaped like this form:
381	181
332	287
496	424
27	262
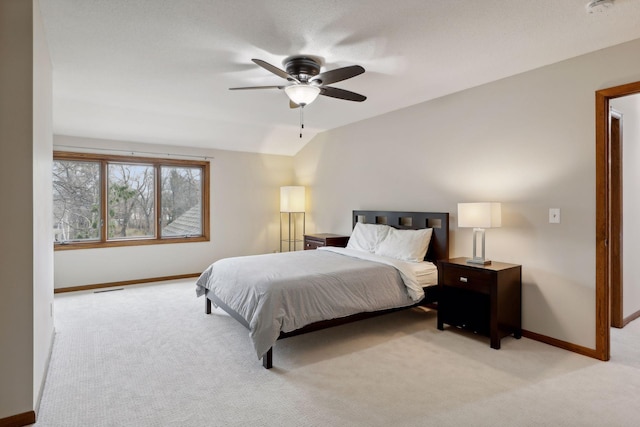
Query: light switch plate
554	215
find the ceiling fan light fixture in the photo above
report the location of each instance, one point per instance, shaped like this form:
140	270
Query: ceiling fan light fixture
302	94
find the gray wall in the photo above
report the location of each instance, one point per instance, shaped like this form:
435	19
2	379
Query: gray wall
527	141
26	261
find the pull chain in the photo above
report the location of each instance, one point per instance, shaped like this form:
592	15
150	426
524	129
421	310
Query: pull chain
301	120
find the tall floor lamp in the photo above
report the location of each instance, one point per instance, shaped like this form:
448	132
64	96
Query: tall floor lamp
292	200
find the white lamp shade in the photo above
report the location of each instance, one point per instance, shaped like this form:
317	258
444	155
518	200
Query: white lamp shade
479	215
302	94
292	199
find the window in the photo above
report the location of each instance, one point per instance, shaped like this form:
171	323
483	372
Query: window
180	199
76	200
131	201
102	201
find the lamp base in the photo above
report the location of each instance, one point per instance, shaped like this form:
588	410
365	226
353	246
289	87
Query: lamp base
478	261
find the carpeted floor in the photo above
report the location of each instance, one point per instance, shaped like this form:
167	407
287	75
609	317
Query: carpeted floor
149	356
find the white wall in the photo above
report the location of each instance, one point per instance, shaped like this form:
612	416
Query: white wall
245	201
26	284
629	106
42	204
527	141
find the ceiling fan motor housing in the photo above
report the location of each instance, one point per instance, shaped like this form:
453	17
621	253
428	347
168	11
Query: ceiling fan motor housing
302	67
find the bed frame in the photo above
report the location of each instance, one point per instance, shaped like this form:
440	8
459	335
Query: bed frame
438	249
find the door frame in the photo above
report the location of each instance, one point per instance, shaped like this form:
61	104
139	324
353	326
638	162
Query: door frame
604	214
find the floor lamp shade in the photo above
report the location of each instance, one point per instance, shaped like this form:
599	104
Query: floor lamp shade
292	199
479	216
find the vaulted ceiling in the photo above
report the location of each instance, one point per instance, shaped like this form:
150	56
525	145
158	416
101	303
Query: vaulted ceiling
158	71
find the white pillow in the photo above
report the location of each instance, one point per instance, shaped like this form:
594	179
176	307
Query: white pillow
367	237
406	245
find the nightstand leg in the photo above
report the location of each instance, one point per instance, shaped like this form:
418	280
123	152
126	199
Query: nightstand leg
517	334
495	342
440	325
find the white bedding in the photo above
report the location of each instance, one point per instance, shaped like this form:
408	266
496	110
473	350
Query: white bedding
415	275
286	291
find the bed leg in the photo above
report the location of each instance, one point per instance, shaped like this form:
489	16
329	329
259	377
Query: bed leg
267	359
207	305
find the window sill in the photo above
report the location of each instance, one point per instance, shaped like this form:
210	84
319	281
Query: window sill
121	243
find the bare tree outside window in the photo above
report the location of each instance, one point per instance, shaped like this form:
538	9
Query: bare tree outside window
131	200
76	200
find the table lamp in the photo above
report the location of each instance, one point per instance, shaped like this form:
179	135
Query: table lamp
479	216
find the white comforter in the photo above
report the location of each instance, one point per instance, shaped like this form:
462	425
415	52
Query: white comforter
286	291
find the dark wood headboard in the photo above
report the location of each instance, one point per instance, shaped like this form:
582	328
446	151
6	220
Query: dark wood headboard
438	221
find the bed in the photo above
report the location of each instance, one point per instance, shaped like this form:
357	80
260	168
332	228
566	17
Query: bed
388	265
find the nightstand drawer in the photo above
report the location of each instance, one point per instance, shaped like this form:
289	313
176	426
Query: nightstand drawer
314	241
313	244
473	279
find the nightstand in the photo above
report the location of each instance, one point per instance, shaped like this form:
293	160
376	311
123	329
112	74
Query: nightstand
484	299
313	241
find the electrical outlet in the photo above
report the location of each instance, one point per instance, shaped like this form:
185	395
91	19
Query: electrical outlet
554	215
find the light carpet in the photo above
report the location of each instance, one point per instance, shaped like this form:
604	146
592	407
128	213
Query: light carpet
149	356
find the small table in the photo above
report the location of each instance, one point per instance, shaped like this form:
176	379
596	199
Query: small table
313	241
486	299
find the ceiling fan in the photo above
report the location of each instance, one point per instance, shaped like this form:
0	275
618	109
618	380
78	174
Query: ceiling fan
307	82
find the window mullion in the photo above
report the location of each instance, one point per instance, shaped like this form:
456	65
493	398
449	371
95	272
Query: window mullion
104	198
158	197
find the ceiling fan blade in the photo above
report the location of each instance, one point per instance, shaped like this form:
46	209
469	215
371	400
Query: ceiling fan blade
293	104
337	75
334	92
275	70
256	87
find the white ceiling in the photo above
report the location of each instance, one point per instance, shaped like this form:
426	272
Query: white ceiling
158	71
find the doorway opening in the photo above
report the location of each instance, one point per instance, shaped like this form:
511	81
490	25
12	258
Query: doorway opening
615	194
608	213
